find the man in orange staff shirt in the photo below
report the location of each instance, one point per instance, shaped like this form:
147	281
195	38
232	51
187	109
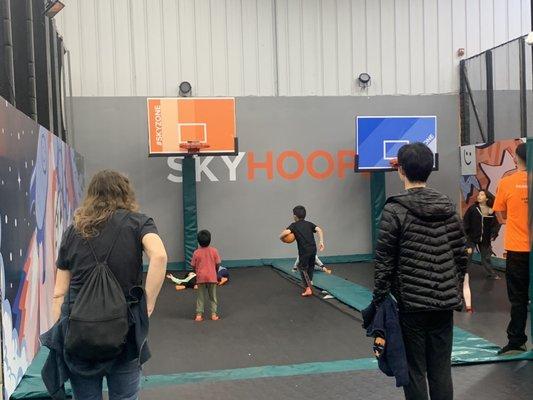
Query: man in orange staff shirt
511	206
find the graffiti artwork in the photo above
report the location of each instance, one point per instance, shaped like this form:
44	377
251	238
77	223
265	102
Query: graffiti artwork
41	181
492	163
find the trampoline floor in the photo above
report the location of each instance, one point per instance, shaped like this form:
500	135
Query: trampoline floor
489	299
264	321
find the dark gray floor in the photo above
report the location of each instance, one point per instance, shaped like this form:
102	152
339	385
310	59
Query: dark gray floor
504	381
264	321
489	299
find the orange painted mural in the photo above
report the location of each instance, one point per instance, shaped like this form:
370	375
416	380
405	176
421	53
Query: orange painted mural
490	163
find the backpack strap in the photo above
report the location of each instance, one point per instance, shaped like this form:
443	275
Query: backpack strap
120	225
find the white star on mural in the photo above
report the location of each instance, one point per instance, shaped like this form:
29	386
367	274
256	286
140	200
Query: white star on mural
496	172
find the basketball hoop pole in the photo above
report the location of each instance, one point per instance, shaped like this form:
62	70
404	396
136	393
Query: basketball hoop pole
377	202
190	212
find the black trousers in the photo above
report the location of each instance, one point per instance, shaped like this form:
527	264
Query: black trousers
307	267
485	251
517	275
428	340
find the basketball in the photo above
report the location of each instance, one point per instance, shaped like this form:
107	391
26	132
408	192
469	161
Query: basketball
289	238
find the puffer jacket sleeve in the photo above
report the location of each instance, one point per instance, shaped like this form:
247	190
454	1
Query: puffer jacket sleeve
457	239
386	252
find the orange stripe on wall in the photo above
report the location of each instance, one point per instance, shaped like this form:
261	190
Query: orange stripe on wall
155	126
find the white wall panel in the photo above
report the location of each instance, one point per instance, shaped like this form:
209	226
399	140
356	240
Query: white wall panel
388	47
265	45
122	45
344	48
417	40
446	52
373	46
402	43
313	73
171	46
330	50
284	47
431	46
459	28
359	58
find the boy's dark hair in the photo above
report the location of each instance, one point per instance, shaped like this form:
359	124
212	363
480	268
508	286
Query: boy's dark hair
299	212
416	160
521	152
204	238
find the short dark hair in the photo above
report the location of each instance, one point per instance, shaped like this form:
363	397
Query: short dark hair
416	160
521	152
204	238
299	212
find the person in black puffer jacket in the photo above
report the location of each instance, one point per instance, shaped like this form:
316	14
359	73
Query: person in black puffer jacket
421	260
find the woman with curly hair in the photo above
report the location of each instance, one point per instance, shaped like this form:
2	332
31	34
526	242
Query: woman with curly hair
108	224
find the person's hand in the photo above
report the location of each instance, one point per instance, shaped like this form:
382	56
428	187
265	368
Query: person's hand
379	346
170	276
321	246
150	311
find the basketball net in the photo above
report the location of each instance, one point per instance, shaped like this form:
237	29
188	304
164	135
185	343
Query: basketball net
193	146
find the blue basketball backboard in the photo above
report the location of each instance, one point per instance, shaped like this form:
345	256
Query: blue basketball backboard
378	139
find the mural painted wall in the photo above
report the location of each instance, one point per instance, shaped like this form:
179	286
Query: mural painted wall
41	181
483	166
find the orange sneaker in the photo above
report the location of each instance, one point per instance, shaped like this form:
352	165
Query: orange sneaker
199	318
215	317
308	292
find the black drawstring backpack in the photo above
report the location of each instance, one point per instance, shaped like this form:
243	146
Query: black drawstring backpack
98	321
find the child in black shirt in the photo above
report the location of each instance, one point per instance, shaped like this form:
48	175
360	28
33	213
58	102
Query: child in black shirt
304	232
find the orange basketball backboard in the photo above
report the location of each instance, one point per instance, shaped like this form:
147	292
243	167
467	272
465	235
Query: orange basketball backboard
174	122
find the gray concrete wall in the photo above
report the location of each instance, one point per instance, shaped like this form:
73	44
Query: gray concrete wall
244	215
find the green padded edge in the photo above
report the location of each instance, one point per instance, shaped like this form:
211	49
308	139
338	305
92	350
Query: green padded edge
190	210
378	197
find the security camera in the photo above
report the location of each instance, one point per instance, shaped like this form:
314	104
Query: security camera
364	80
184	89
529	39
